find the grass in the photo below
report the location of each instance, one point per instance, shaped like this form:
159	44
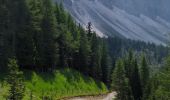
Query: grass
62	83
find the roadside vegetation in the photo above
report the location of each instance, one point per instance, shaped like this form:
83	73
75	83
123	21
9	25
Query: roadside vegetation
62	83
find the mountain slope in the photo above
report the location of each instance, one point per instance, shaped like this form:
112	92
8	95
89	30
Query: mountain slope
123	19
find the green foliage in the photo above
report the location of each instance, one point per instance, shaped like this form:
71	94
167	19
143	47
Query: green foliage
15	81
160	83
136	82
3	22
89	30
65	48
142	85
61	83
144	71
132	73
43	37
36	16
145	77
24	36
129	67
119	47
64	83
106	64
120	82
84	51
96	57
49	35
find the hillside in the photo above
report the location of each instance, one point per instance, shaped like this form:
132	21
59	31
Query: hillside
63	83
40	36
133	19
46	55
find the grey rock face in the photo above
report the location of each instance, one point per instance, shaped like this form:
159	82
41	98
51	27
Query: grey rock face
145	20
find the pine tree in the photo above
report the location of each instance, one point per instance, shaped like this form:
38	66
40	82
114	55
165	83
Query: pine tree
24	38
144	71
3	30
120	82
57	13
136	82
65	48
35	10
84	52
49	35
15	81
95	57
71	25
61	15
76	47
12	25
89	31
160	83
132	73
105	65
128	64
145	77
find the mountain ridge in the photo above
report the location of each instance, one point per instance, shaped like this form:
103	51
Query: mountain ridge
114	21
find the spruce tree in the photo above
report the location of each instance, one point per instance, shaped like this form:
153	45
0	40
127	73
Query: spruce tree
35	10
128	64
71	25
84	52
7	30
136	82
89	29
95	63
15	81
57	13
49	35
159	83
13	18
65	41
145	77
144	71
3	32
61	15
132	73
120	82
24	38
105	64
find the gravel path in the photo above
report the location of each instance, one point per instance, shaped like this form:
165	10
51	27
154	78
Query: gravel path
109	96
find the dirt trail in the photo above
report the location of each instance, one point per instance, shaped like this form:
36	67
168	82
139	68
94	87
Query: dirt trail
109	96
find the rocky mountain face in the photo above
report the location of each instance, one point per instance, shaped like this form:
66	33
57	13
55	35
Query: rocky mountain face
145	20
